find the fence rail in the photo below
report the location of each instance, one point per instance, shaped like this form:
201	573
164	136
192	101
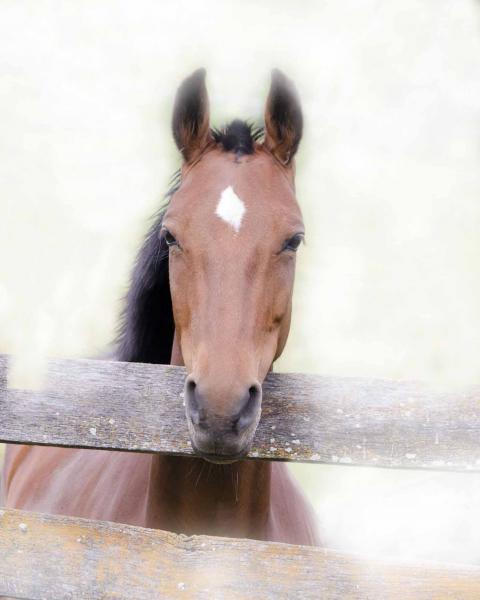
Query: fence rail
306	418
139	407
93	560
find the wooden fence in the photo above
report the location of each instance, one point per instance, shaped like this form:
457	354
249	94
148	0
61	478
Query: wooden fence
139	408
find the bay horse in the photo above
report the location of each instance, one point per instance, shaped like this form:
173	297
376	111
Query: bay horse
211	290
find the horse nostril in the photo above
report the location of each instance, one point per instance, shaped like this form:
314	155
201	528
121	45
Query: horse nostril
249	412
192	403
254	391
190	385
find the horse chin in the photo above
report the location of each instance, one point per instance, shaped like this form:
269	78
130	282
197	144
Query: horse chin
218	460
221	453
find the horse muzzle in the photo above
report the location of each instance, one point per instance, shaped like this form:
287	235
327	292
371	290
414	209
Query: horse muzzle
216	436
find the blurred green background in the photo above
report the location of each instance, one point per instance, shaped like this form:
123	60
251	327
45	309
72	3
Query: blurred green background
388	284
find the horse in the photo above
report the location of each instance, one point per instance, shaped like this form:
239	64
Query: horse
211	290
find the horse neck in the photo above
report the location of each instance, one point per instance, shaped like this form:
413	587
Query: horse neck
192	496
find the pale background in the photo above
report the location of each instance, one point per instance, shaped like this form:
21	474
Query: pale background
388	178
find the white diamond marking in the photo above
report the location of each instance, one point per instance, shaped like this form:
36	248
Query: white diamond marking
230	208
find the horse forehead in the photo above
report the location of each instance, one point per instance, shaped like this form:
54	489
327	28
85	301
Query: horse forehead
233	190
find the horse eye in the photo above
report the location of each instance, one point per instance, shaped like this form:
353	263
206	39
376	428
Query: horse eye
170	239
293	243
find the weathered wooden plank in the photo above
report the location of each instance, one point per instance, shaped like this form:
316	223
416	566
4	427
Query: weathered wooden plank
139	407
56	558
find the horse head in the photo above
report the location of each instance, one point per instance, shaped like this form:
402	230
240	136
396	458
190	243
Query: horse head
232	229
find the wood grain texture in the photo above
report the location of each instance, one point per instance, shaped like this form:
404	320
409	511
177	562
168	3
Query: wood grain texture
307	418
56	558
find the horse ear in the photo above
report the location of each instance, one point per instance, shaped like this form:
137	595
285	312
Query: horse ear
191	116
283	118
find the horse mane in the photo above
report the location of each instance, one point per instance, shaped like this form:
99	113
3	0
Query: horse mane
146	325
238	137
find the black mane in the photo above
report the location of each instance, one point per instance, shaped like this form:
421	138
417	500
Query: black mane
147	325
238	136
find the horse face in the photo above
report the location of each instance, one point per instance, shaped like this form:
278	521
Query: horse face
232	228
